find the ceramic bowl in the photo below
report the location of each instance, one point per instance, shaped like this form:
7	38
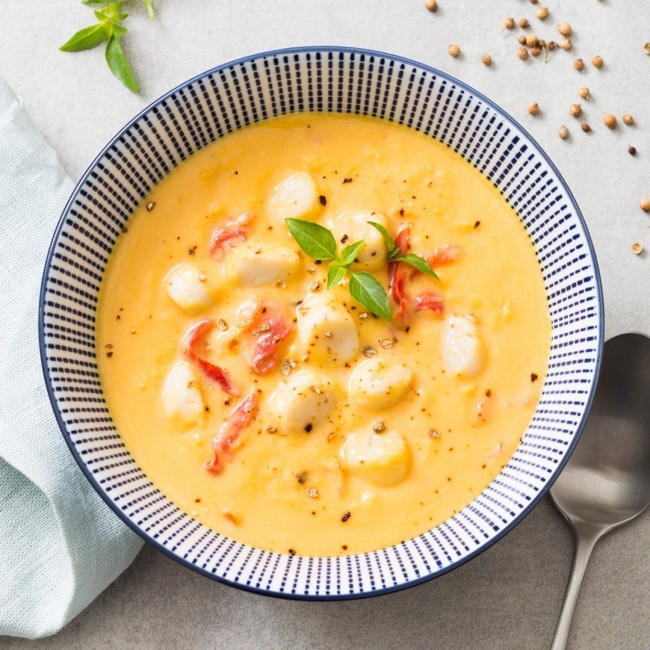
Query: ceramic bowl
340	80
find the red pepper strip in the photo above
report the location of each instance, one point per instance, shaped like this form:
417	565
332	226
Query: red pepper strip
269	328
191	342
223	236
444	255
429	301
397	276
243	414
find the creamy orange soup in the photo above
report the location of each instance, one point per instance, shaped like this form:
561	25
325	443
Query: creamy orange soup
286	415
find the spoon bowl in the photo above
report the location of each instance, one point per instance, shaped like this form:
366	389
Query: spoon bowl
606	482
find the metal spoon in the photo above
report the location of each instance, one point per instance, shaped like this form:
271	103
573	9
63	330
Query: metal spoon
606	482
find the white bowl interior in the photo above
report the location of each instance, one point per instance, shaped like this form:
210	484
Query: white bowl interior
330	80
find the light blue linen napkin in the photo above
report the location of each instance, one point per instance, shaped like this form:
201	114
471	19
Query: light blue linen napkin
60	545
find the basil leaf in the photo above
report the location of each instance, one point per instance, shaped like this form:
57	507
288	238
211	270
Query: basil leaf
118	64
92	2
349	253
388	240
86	38
366	289
335	274
315	240
149	5
417	262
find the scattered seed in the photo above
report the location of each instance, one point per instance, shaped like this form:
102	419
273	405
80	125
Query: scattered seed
322	199
552	45
363	315
301	477
597	61
264	327
522	53
346	516
637	248
222	325
132	331
378	426
535	51
314	286
432	433
509	23
150	206
369	351
563	132
431	5
566	44
523	23
564	29
628	119
202	277
454	50
315	389
586	128
285	368
486	59
578	64
631	150
532	40
541	43
387	344
575	110
610	121
272	428
645	204
533	108
584	93
542	13
522	40
646	48
312	493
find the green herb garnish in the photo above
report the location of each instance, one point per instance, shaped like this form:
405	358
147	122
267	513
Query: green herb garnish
395	254
109	28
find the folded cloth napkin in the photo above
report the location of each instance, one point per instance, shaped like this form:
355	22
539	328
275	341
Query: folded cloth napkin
60	544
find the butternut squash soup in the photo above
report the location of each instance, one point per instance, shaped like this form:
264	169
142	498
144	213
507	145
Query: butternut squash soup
323	334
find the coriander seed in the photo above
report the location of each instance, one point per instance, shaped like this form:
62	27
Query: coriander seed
563	132
533	108
509	23
564	29
628	119
585	127
597	61
522	40
566	44
486	59
645	204
542	13
454	50
522	53
578	64
552	45
575	110
532	40
431	5
523	23
584	93
646	48
637	248
631	150
541	43
610	121
535	51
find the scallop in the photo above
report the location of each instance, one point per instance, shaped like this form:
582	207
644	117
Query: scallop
295	197
463	351
380	458
326	330
181	396
187	286
252	265
302	403
350	228
379	382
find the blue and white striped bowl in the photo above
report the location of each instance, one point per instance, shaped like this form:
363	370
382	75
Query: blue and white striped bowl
328	79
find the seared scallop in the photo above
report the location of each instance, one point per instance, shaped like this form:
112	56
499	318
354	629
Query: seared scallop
296	197
187	286
379	382
463	351
181	396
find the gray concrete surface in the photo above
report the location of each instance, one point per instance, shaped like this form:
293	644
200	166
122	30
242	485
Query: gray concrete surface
510	596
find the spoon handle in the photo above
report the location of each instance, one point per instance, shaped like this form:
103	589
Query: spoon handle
584	544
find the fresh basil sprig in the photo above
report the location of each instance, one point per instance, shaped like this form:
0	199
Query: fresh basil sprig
318	242
394	253
109	28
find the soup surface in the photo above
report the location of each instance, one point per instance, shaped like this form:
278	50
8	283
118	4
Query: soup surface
287	415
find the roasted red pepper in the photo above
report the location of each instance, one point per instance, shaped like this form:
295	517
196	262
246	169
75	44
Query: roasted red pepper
269	328
241	417
229	234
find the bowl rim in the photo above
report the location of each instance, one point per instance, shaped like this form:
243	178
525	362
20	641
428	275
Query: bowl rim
328	597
